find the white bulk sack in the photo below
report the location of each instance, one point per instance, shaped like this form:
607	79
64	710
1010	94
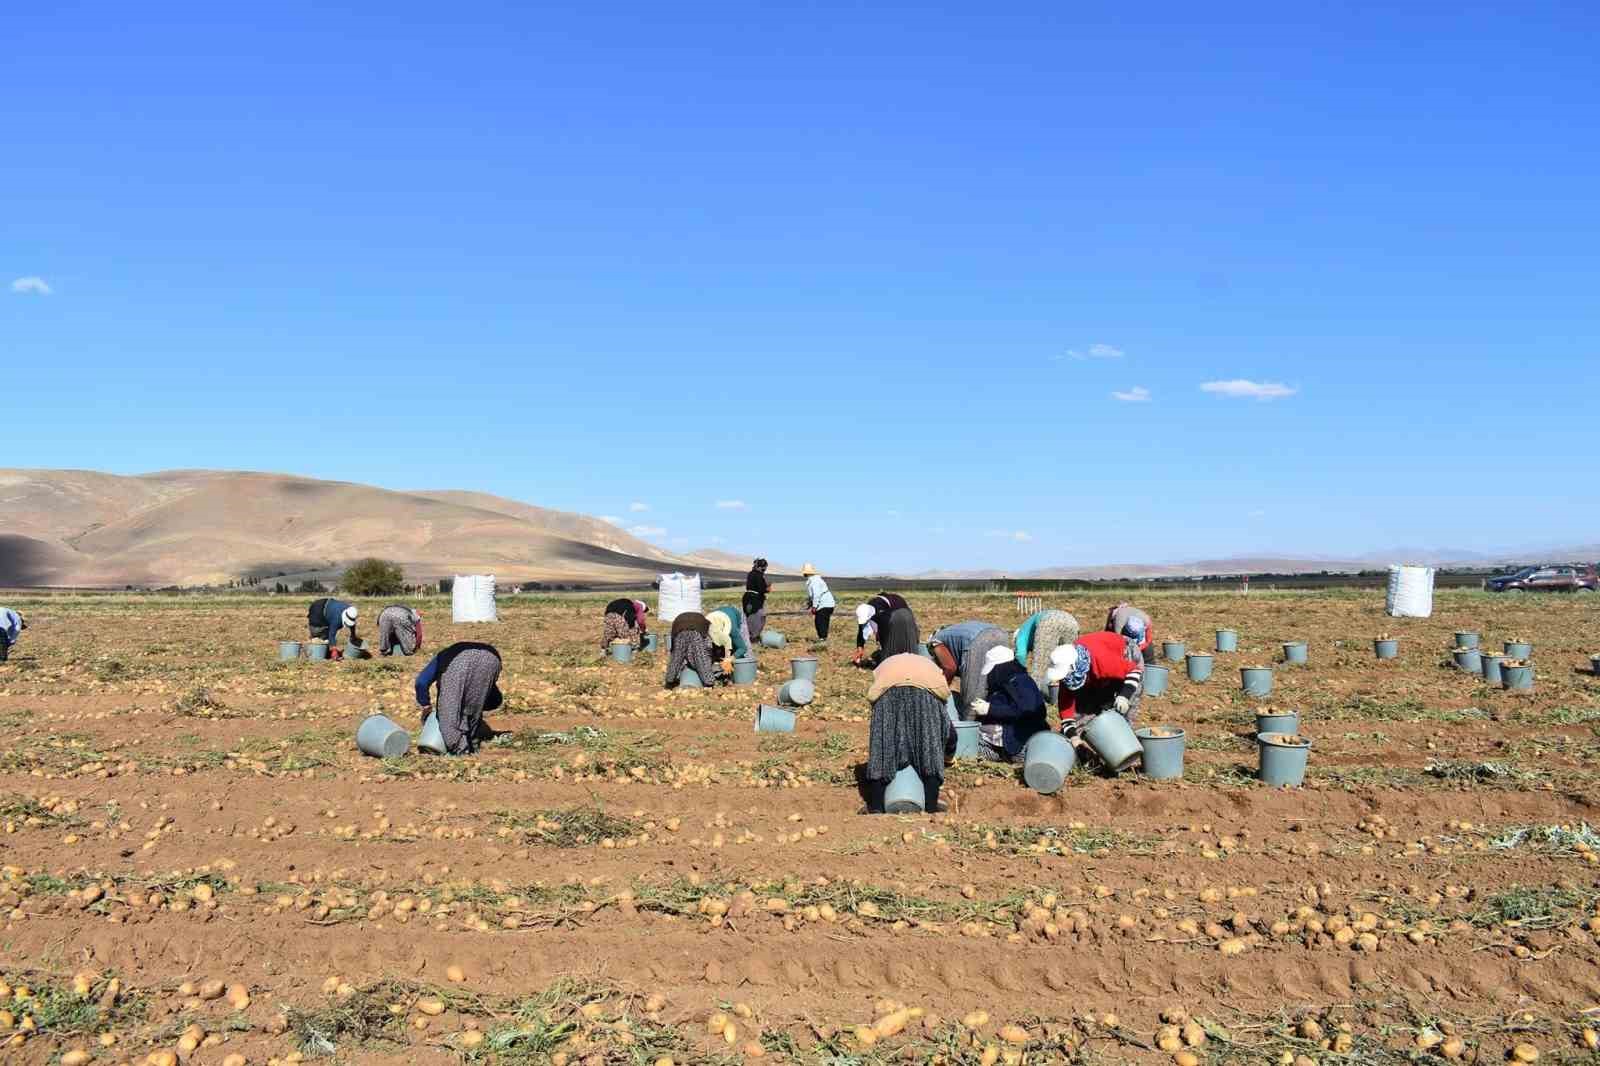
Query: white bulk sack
472	598
1410	591
679	595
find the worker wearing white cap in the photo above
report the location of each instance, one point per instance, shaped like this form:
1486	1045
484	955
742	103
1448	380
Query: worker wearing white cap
819	601
327	616
1101	672
886	618
1011	709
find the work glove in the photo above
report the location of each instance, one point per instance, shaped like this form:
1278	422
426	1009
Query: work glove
1122	704
979	708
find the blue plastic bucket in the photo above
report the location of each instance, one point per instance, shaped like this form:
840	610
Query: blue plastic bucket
1283	763
1278	722
1047	759
1163	752
1256	681
1466	638
689	679
429	738
1295	652
622	651
774	719
1518	649
1199	665
317	650
288	649
1469	659
382	737
354	650
905	794
1516	678
1172	650
803	668
1155	679
772	639
967	740
951	710
1386	648
1111	737
744	671
650	642
796	693
1227	640
1490	665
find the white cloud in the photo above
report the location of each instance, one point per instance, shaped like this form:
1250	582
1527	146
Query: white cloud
1021	536
32	285
1244	388
637	507
613	519
647	531
1137	394
718	540
1258	514
1096	351
892	513
730	505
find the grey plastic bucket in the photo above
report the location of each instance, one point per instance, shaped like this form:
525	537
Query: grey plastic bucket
429	738
1227	640
689	679
951	710
1111	737
1278	722
1172	651
622	651
772	639
1491	667
905	794
382	737
650	642
774	719
1155	679
796	693
288	649
1198	664
316	650
744	671
1466	638
1282	764
1386	648
803	668
1516	678
1469	659
1256	680
1296	652
966	740
1047	759
1518	649
1163	755
356	649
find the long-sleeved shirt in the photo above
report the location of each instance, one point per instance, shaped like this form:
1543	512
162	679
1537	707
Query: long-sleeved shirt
10	625
333	618
1116	668
736	630
817	594
756	587
958	637
434	671
1016	709
883	605
691	620
1121	614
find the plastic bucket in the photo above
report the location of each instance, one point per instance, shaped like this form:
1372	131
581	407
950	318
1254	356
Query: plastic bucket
689	679
1227	640
774	720
622	651
1155	680
1491	667
1469	659
1278	722
803	668
382	737
1172	651
905	794
951	710
966	740
317	650
651	643
744	671
1199	665
772	639
1516	678
288	649
1047	759
1386	648
1518	649
429	738
1296	652
1163	752
354	650
1594	665
1111	738
1466	638
1256	680
797	693
1283	763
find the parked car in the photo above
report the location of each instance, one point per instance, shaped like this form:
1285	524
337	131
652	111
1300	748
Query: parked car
1547	579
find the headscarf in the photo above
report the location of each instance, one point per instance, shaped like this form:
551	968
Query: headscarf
721	630
351	613
640	609
995	656
1134	629
1069	665
864	614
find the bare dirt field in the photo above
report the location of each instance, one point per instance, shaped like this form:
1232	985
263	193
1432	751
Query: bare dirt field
198	866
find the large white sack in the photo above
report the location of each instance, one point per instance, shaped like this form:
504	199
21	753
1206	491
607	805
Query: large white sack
472	598
1410	591
680	594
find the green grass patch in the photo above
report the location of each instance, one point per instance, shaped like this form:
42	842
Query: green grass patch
567	827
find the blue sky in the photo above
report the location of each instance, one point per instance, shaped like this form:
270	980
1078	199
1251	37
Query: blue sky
911	288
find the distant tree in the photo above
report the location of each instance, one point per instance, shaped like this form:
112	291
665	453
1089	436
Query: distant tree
373	577
310	585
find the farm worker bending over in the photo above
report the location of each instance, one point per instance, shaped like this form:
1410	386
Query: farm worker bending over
467	675
624	620
756	587
1101	672
691	647
11	627
1012	709
399	630
960	651
1128	620
1041	634
888	619
728	634
327	616
819	601
909	728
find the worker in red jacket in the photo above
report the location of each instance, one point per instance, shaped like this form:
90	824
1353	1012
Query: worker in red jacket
1099	672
